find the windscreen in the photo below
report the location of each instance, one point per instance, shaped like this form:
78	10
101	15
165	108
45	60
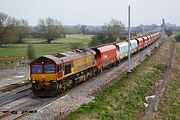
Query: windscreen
36	68
49	68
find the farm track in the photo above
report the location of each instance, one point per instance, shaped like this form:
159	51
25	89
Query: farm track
23	104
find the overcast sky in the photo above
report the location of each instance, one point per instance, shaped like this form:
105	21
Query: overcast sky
94	12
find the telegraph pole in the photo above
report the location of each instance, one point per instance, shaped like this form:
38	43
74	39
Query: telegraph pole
163	27
129	35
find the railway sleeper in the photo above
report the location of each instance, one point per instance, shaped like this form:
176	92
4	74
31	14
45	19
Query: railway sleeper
6	114
22	115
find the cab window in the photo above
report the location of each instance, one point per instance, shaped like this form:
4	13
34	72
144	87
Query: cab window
67	69
60	67
36	68
49	68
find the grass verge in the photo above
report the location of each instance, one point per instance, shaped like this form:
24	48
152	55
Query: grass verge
169	106
124	98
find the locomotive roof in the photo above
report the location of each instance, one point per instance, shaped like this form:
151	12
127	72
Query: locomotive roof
58	58
78	52
47	57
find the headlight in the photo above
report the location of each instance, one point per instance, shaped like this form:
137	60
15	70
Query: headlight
33	81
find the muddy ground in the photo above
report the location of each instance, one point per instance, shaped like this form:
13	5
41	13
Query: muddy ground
14	75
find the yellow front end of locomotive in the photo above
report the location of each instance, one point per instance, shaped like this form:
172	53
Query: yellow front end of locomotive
44	79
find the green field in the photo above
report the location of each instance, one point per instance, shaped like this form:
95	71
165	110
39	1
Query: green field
42	48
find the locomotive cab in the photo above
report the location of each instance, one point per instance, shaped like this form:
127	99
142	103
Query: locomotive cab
44	72
53	74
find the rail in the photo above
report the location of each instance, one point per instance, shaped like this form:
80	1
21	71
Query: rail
15	115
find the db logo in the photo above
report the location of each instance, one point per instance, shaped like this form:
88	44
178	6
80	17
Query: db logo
43	76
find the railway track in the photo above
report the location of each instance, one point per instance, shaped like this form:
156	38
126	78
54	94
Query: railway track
23	104
13	115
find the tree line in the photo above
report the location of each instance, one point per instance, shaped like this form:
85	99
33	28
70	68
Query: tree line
111	32
13	30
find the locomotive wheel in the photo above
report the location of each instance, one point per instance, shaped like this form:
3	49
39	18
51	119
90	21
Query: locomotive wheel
84	77
90	74
87	76
69	84
95	73
64	87
60	88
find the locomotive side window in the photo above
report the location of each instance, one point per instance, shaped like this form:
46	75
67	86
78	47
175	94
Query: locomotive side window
67	69
36	68
49	68
60	67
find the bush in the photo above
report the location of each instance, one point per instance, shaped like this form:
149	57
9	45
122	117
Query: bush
30	52
95	40
161	67
75	45
168	32
177	38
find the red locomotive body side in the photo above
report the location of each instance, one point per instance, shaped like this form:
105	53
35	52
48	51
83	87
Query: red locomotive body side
105	55
140	43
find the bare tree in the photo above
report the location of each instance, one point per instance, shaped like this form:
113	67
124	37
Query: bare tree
84	29
111	32
76	45
6	27
177	38
73	29
21	30
114	29
31	54
50	29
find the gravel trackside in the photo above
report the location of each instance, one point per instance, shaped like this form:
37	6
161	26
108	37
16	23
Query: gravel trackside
13	76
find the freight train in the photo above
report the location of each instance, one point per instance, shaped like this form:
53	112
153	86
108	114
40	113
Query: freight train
51	75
